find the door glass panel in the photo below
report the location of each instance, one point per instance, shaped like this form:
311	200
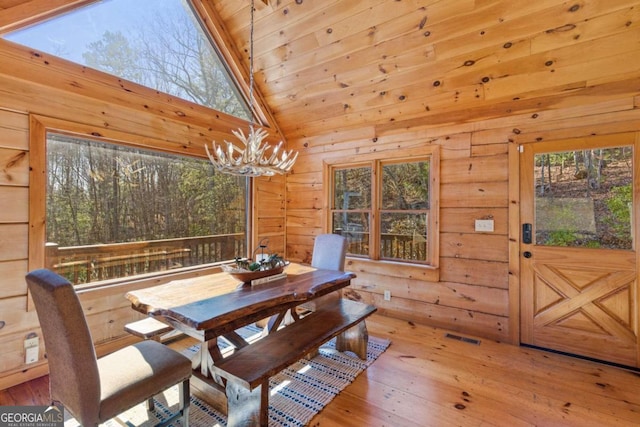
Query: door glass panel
584	198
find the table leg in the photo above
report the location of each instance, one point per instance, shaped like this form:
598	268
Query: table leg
208	353
275	322
235	339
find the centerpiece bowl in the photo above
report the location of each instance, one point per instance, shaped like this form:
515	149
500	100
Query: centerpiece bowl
246	270
247	276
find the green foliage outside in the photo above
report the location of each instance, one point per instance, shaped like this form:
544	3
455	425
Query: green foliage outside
404	200
159	44
619	203
584	198
561	238
100	193
570	238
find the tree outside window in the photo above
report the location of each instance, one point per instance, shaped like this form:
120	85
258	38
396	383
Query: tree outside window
404	211
385	218
160	44
114	211
351	207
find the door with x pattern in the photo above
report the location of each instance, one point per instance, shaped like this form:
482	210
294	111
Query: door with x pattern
579	224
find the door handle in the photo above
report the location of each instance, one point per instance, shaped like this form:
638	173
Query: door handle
527	233
527	254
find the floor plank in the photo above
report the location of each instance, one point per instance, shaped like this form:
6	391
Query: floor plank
426	379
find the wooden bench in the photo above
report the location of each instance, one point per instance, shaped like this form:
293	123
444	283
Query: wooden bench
248	369
148	328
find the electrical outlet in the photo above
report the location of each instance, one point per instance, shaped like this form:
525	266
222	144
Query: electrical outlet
387	295
485	225
31	355
31	349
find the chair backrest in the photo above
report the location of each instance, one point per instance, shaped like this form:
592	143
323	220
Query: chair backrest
329	251
73	370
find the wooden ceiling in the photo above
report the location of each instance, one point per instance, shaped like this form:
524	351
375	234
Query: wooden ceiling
323	65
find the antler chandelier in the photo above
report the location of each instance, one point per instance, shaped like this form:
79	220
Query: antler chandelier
257	158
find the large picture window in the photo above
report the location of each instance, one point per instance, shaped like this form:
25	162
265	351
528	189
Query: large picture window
114	211
385	209
160	44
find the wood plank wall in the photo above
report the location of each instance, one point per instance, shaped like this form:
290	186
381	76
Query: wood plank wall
474	77
592	88
32	83
477	291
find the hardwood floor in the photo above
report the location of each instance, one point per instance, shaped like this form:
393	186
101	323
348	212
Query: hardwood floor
425	379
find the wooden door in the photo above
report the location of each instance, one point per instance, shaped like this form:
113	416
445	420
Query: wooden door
579	287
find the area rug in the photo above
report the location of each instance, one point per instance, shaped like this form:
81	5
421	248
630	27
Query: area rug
296	394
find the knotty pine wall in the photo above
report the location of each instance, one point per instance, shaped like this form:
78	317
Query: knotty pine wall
471	294
33	84
357	80
477	94
477	289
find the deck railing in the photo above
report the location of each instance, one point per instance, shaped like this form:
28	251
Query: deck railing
392	246
91	263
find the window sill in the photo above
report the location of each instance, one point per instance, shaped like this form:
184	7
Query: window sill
404	270
149	279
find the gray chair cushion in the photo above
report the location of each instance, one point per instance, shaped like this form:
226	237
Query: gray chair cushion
136	373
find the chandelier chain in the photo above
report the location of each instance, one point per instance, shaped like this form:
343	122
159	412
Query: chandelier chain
258	157
251	82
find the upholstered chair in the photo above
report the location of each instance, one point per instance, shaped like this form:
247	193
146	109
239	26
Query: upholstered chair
94	390
329	251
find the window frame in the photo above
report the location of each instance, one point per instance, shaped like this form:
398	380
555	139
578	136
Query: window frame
431	154
40	126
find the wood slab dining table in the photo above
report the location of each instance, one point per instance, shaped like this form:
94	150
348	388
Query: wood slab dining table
216	305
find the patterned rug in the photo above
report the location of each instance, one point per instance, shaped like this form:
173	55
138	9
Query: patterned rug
296	394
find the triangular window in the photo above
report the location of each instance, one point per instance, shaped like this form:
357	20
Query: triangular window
157	43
